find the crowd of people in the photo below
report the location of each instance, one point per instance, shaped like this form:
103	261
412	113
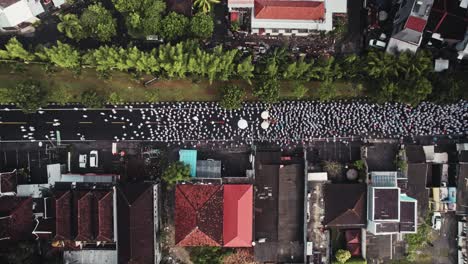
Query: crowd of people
292	122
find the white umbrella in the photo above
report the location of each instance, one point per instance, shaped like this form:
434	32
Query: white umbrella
265	115
242	123
265	125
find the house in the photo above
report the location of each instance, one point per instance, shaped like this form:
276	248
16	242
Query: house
8	183
408	26
280	204
16	218
19	15
462	184
389	211
462	241
448	21
345	206
287	17
85	217
214	215
138	228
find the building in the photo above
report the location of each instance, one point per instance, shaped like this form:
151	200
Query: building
8	183
19	15
345	206
448	21
214	215
138	227
462	184
389	211
279	208
16	218
287	17
408	26
462	241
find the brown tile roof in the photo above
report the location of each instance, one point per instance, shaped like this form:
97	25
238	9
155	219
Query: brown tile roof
16	214
105	223
8	182
84	217
199	215
135	223
345	205
302	10
63	210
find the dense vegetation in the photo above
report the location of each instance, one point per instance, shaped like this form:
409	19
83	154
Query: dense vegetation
406	78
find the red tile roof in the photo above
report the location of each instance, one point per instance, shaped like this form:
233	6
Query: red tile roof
17	217
105	229
416	23
294	10
238	203
8	182
85	223
135	222
199	215
63	228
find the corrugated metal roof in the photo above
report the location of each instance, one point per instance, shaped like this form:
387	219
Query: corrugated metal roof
208	169
189	157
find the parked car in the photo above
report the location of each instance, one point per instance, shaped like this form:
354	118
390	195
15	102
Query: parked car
93	159
375	43
83	159
436	221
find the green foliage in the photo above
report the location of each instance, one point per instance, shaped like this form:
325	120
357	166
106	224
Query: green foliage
92	100
201	26
299	90
245	69
327	90
208	255
115	99
175	172
359	164
15	50
232	97
63	55
235	26
352	260
297	70
174	26
98	22
342	255
141	16
205	5
152	95
28	95
267	90
70	24
418	240
333	168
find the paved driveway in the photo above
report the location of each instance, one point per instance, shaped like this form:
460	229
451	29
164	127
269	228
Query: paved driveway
445	243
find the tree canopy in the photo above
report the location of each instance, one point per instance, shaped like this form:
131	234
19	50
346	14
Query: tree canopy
71	26
98	22
63	55
201	26
342	255
174	26
29	95
232	97
205	5
175	172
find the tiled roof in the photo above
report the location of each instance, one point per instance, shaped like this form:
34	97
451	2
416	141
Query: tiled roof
238	203
105	230
135	223
17	217
416	23
199	215
8	182
63	228
345	212
294	10
85	223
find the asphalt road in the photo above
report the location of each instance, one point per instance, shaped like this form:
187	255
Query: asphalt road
290	122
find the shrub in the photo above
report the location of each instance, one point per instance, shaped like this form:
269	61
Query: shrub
28	95
115	99
342	255
91	99
232	97
175	172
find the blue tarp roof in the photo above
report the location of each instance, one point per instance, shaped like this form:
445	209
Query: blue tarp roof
189	156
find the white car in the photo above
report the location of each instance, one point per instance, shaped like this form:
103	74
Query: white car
436	221
375	43
83	159
93	159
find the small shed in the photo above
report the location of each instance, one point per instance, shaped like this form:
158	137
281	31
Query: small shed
189	157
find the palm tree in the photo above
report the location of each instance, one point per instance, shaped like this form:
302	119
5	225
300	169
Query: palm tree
205	5
71	26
